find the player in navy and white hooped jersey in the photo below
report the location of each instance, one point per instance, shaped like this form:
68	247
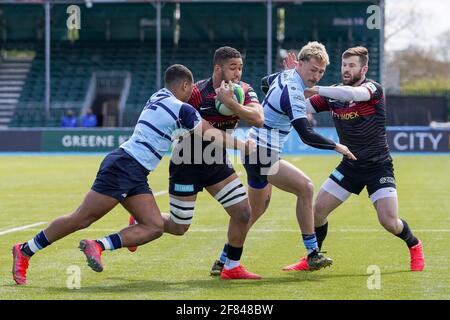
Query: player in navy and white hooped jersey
161	122
359	114
284	109
122	177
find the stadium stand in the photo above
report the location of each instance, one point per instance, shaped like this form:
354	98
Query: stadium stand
115	39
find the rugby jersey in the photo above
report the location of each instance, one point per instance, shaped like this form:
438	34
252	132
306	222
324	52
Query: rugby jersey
284	103
163	119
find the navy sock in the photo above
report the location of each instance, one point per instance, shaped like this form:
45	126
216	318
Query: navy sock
223	256
39	242
321	233
111	242
407	236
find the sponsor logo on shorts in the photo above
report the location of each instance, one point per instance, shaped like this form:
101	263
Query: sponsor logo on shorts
387	180
337	175
124	195
184	187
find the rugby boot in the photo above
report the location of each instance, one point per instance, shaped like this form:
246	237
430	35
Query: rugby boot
20	265
238	272
417	257
216	268
93	253
301	265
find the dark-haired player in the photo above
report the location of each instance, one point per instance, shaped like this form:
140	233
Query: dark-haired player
217	177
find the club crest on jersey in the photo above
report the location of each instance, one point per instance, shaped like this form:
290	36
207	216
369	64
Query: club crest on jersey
372	88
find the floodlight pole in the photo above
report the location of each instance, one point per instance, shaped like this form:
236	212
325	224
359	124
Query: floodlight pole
47	60
382	70
157	5
269	36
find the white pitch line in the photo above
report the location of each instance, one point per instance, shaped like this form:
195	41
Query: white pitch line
159	193
21	228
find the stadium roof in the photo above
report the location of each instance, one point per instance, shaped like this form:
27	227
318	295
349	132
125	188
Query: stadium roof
186	1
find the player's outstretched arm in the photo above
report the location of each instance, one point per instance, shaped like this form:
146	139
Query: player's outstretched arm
222	139
341	93
310	137
340	148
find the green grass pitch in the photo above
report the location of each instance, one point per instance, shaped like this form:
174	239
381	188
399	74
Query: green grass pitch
40	188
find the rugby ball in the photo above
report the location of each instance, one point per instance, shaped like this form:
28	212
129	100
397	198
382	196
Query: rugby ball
238	96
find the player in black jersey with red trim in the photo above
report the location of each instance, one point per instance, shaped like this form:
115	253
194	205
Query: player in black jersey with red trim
358	109
219	179
187	178
204	97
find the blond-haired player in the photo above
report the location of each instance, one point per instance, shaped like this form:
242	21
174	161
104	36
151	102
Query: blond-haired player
284	109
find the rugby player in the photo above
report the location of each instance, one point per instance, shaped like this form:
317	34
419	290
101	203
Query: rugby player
218	177
359	114
122	177
284	109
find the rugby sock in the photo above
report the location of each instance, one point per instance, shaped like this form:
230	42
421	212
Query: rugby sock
223	256
310	242
407	236
321	233
39	242
233	257
111	242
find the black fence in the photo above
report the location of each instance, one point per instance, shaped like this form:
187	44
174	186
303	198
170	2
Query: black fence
415	110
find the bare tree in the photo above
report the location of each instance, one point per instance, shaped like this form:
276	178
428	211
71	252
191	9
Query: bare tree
403	22
444	45
418	64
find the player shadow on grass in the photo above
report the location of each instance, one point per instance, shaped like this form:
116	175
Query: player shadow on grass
318	275
165	286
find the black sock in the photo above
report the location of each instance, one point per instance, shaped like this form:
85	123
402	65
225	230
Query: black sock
25	248
407	236
234	253
321	233
39	242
